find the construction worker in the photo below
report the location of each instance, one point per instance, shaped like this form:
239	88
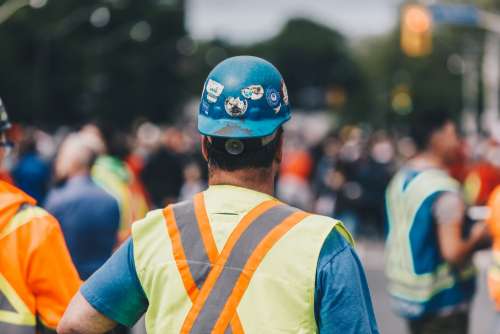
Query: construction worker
233	259
428	259
37	277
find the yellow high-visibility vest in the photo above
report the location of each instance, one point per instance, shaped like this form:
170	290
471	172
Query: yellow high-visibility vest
205	276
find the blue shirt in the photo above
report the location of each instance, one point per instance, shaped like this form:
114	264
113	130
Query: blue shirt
342	298
89	218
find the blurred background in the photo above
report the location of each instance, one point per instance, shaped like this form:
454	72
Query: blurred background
129	74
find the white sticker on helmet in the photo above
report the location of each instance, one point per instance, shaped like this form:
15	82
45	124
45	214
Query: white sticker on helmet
277	109
235	107
253	92
214	90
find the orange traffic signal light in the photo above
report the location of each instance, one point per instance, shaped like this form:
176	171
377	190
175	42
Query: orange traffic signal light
416	31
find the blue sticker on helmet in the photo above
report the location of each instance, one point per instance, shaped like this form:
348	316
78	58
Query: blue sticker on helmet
204	107
273	97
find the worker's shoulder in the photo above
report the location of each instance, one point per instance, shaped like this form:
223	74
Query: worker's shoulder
332	225
149	223
31	223
34	214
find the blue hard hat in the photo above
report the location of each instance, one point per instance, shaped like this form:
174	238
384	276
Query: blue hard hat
243	97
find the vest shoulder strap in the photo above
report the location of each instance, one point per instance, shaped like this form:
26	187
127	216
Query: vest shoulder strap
24	215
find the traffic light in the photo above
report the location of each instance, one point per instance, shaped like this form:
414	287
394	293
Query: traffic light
416	31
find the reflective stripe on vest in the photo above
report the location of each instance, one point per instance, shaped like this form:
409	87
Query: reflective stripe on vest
15	316
215	306
201	249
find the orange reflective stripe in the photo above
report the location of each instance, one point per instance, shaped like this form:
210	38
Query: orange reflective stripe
206	231
253	262
222	259
210	245
179	254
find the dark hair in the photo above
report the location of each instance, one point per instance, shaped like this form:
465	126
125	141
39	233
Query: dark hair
257	157
425	123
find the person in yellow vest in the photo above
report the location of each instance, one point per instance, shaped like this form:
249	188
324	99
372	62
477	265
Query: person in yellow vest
429	246
37	277
233	259
111	173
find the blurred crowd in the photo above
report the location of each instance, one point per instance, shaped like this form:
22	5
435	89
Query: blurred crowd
342	173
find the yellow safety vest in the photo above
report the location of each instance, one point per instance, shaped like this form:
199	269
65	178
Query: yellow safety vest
261	281
403	202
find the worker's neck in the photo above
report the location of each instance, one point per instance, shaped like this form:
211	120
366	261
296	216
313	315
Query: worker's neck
79	173
261	180
428	159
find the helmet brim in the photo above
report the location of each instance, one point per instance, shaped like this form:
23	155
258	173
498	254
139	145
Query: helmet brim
238	128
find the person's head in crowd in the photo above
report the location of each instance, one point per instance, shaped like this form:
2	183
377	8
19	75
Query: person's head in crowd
27	144
434	131
75	158
93	137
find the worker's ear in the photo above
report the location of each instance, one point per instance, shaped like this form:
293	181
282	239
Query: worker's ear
204	152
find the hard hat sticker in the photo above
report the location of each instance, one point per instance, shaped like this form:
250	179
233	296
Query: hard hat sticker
254	92
214	90
273	97
284	92
204	107
235	107
277	109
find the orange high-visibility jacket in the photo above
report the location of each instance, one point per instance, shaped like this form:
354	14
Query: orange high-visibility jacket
37	277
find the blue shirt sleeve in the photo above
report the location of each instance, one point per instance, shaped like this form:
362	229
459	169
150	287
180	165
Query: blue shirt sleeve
115	291
342	299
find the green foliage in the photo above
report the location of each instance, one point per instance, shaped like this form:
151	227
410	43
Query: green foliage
56	67
314	60
429	80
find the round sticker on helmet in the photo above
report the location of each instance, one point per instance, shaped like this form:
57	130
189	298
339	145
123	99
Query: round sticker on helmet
273	97
253	92
235	107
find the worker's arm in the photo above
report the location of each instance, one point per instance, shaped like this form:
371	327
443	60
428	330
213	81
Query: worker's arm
52	276
82	318
112	295
342	298
449	213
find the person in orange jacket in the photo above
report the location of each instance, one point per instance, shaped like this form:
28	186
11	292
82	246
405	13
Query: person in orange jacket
37	276
494	272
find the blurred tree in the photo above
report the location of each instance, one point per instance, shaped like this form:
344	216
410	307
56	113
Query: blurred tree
404	85
75	60
319	69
